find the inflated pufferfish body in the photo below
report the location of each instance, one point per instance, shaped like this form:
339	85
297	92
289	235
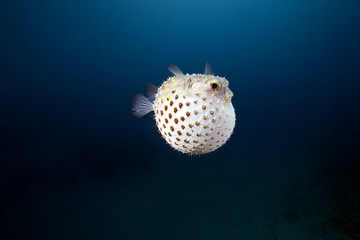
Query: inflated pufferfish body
193	113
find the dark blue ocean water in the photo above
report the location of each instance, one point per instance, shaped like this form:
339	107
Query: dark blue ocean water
75	164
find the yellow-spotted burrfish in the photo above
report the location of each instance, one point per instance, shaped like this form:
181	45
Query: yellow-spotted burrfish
193	113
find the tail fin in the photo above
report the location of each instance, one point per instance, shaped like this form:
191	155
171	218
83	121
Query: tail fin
141	105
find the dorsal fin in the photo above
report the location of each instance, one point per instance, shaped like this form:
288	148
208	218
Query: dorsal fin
151	91
175	70
208	69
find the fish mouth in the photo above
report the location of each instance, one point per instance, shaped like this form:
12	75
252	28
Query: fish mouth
228	95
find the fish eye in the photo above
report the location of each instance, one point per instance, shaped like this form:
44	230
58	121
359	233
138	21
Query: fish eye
215	86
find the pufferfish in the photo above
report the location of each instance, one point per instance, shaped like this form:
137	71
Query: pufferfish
193	113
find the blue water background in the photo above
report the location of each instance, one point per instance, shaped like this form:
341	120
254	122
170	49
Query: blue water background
75	164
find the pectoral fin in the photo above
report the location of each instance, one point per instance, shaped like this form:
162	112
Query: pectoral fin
208	69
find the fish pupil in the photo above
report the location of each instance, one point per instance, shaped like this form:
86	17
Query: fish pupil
214	86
